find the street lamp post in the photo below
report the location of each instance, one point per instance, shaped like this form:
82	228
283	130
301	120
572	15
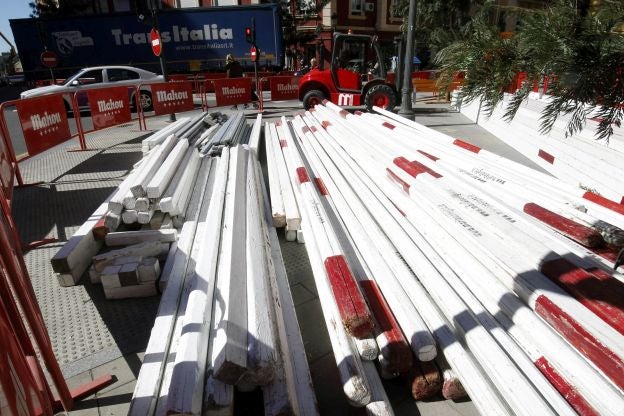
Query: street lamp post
406	90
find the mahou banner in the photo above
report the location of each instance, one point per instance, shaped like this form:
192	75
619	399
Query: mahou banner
44	122
109	106
172	97
232	91
284	88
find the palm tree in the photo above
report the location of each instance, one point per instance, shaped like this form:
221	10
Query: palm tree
580	49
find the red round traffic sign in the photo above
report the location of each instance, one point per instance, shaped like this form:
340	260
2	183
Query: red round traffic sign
49	59
254	54
156	42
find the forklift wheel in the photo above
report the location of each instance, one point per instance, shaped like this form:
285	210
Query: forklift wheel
381	96
312	98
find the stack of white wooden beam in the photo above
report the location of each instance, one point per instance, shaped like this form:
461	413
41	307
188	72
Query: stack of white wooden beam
72	261
580	159
147	206
284	204
226	319
509	269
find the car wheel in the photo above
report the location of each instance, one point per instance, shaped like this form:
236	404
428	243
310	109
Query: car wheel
145	98
381	96
312	98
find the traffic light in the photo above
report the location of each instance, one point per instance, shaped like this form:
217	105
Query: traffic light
249	35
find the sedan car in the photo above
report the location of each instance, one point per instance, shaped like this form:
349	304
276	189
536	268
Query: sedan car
101	77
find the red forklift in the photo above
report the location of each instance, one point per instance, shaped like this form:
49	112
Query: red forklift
357	76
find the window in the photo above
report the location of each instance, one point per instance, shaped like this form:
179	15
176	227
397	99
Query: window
356	8
91	77
393	14
119	74
307	6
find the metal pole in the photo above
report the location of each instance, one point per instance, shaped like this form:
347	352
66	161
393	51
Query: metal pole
406	91
253	34
161	57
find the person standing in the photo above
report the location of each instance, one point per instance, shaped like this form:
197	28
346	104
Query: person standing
233	68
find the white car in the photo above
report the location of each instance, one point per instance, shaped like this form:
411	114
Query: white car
101	77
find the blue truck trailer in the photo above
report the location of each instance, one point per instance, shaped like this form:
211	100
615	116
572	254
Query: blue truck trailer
194	40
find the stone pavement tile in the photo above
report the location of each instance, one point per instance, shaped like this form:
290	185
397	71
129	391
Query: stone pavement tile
116	402
301	294
125	369
328	388
313	330
310	284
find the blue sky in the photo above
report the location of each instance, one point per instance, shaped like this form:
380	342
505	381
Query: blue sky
11	9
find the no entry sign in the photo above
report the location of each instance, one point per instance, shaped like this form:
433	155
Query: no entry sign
49	59
155	42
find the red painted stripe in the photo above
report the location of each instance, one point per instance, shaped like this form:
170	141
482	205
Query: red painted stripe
302	174
325	101
314	129
354	312
599	273
573	397
343	113
325	124
607	253
581	339
397	353
435	159
312	110
603	296
581	234
321	186
546	156
398	180
407	166
283	143
426	169
607	203
622	200
278	123
465	145
388	125
358	113
414	168
305	129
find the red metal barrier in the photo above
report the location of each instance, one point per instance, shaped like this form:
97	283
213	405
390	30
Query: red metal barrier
44	122
281	88
21	394
20	309
172	97
233	91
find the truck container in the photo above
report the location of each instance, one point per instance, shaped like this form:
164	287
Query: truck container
194	40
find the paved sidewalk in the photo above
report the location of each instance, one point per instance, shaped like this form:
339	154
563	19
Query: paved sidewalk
92	336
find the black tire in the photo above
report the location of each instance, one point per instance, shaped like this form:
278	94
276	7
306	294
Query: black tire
381	95
145	98
312	98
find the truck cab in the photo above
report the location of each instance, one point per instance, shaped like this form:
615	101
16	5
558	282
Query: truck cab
356	76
